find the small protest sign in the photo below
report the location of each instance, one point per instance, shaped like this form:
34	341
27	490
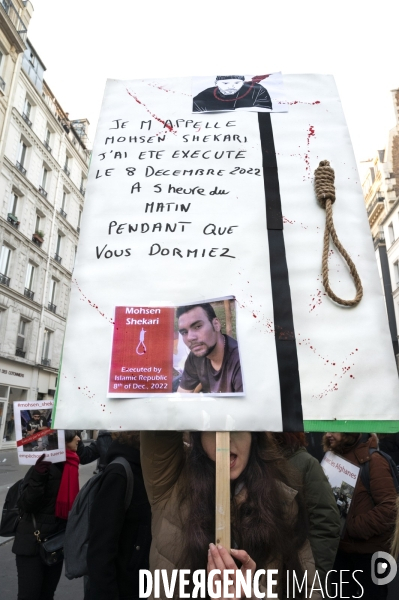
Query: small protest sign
342	475
34	433
151	361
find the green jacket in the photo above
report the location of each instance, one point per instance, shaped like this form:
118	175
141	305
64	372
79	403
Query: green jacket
324	520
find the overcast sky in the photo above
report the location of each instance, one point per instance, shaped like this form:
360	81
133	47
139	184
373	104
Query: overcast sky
84	42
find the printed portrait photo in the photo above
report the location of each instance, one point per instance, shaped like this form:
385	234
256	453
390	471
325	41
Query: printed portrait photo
257	93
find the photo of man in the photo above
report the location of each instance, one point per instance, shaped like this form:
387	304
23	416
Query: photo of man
213	364
231	92
32	422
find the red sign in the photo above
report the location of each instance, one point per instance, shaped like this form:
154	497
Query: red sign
35	436
142	350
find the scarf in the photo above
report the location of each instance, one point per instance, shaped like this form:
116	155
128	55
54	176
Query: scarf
69	486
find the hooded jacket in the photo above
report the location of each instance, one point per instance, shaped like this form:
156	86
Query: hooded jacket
371	518
119	541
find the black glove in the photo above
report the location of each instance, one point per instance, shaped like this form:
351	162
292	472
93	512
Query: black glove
42	466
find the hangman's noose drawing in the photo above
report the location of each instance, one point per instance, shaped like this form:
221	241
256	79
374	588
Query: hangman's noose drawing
141	343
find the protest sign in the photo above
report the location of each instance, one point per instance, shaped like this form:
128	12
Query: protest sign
342	475
183	207
35	436
143	360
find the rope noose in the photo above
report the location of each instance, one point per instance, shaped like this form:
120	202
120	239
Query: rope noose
325	193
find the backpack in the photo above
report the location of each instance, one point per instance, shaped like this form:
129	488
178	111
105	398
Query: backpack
365	470
77	532
11	514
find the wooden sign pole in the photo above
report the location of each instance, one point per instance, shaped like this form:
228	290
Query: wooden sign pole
222	504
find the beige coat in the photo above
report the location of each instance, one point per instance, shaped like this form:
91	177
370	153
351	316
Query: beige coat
162	460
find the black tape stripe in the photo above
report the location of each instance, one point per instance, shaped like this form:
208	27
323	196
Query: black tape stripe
274	215
287	357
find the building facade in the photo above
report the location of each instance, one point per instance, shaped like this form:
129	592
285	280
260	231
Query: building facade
380	183
43	170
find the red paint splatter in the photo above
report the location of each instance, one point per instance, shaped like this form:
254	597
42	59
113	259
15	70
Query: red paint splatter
163	89
254	315
168	127
92	304
85	391
311	133
300	102
285	220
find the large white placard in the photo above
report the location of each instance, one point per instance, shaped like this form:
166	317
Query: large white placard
175	214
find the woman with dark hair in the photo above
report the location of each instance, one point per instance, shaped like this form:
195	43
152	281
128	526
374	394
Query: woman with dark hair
323	514
268	521
47	499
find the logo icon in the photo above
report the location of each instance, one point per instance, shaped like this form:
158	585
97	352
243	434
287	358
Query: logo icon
383	568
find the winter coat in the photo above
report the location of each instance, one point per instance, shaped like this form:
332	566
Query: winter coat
371	518
162	459
324	520
119	541
95	450
39	497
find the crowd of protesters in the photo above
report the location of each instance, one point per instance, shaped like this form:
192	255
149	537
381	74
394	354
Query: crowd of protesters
284	515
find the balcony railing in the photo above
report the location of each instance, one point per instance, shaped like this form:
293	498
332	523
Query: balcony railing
26	119
13	220
66	170
374	203
82	190
47	146
57	257
20	168
42	191
46	362
20	353
36	240
52	307
63	213
28	293
2	84
4	280
14	17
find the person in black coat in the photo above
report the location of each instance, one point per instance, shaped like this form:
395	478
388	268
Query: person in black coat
120	541
96	450
42	498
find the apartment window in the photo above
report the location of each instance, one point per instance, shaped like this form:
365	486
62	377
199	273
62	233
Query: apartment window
79	220
64	203
22	153
53	290
58	248
391	233
27	108
29	276
12	207
48	136
37	225
372	174
5	260
44	178
21	335
46	346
